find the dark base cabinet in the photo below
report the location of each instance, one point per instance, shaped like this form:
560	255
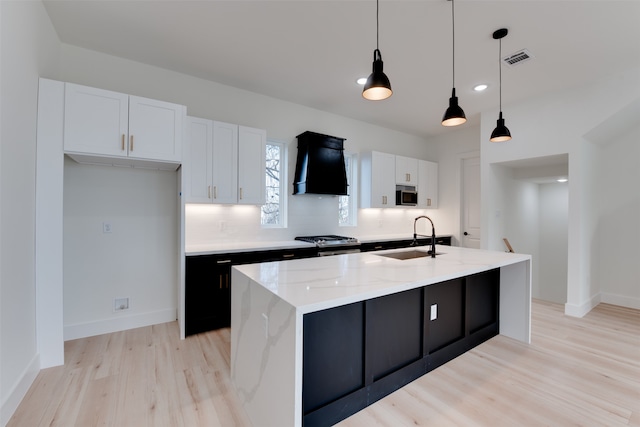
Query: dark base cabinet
208	279
357	354
208	285
207	295
405	243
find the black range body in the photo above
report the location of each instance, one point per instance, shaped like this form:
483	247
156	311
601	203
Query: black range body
320	167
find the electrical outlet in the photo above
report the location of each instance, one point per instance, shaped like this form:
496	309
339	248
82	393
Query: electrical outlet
434	312
120	304
106	227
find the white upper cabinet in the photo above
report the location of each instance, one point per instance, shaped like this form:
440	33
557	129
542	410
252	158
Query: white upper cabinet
198	161
381	172
224	187
406	171
252	145
378	172
155	129
95	121
99	123
427	184
224	163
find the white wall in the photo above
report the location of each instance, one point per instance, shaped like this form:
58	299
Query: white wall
29	49
537	131
513	207
308	214
552	243
137	260
618	223
451	148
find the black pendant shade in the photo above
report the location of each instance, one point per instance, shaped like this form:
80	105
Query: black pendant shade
377	86
454	115
501	132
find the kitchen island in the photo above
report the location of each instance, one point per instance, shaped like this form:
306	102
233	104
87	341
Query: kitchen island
315	340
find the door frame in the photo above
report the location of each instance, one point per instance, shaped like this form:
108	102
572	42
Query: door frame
461	158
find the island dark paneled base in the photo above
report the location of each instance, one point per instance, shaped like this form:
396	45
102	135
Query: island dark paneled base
356	354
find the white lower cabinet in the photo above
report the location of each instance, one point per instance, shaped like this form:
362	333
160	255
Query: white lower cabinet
100	123
427	184
224	163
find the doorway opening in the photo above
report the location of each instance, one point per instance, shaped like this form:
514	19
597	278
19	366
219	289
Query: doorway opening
533	214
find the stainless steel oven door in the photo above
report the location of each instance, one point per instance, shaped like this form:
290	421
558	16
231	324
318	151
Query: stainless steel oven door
337	251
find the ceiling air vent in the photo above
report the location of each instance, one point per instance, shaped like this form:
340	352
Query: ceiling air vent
517	58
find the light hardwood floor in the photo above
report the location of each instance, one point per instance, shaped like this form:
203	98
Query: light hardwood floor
575	372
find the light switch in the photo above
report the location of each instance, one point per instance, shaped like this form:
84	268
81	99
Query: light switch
434	312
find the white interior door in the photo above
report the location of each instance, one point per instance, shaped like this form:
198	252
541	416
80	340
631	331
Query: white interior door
471	203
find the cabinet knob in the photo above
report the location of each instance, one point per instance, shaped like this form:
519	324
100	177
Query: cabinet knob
123	136
131	143
465	233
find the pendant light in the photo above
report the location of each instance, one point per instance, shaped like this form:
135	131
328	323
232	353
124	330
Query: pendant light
377	86
500	133
454	115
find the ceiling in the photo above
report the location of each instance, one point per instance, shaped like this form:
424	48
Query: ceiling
311	52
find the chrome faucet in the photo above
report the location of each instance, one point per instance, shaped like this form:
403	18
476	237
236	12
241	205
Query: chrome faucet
433	235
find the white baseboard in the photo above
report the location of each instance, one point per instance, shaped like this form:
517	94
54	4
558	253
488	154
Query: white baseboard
120	323
621	300
581	309
19	390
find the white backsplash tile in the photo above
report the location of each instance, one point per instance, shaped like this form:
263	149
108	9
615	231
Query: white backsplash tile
308	215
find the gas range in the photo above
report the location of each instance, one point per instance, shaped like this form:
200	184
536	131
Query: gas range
332	244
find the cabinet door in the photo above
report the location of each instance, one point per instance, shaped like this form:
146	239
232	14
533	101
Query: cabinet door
95	121
427	184
251	165
198	161
207	294
225	163
155	129
383	189
406	171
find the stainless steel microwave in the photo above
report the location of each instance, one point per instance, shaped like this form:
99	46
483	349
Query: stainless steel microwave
406	196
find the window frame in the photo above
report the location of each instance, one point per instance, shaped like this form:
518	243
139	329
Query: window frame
282	212
352	180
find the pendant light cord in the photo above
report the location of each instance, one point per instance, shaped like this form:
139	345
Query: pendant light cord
453	42
500	72
377	25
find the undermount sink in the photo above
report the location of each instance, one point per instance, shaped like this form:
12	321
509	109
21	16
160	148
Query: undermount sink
403	255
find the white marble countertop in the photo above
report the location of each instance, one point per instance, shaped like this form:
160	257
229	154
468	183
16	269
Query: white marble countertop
314	284
246	246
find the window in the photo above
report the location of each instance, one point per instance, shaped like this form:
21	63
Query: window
348	205
272	212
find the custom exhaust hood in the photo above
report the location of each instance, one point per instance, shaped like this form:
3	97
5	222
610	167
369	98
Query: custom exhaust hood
320	167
